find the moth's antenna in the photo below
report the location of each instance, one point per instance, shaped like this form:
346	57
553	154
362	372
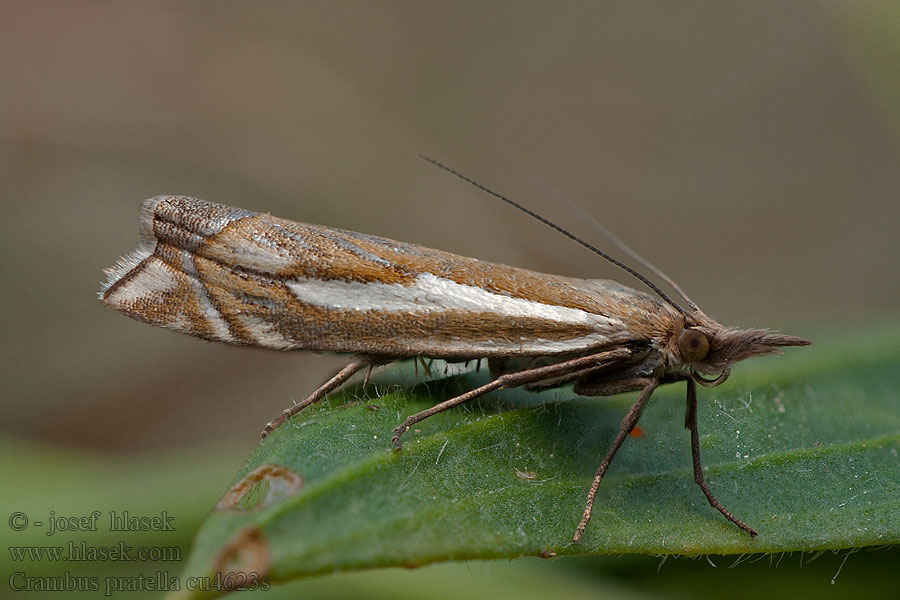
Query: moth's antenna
566	233
594	224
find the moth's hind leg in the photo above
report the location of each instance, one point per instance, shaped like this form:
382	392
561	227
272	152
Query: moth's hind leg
519	378
356	363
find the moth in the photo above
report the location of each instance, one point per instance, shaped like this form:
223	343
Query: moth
242	277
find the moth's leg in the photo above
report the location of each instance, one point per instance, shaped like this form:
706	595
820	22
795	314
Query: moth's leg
610	388
690	422
425	365
628	423
356	363
583	363
612	385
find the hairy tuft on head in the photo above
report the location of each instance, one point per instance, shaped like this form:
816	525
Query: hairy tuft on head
730	345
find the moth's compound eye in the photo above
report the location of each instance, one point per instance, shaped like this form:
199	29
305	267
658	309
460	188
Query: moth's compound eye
693	345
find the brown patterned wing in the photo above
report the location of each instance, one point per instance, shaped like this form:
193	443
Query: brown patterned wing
232	275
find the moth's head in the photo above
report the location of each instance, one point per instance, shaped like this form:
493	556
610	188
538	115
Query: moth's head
707	348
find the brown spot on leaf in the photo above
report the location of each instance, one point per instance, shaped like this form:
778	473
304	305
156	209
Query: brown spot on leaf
244	559
262	486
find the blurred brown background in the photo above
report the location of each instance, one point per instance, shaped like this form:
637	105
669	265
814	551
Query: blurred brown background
749	149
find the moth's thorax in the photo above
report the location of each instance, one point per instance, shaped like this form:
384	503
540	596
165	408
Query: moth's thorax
646	318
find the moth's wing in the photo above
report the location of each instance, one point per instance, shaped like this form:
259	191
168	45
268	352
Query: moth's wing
232	275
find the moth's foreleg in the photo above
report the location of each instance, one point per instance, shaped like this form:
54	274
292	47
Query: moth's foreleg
519	378
628	423
610	387
690	422
356	363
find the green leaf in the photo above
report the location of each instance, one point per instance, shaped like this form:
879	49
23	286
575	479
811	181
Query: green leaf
807	456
